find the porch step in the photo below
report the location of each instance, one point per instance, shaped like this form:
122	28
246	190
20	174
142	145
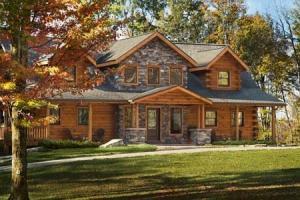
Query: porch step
113	143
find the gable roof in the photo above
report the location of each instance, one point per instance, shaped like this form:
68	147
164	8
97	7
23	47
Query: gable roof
121	49
207	54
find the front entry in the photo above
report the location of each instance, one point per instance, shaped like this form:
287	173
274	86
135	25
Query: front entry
153	125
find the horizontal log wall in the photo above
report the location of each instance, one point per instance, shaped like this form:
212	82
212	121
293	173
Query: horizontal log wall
224	130
103	117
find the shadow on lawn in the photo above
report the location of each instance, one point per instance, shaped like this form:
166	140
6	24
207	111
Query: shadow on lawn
119	179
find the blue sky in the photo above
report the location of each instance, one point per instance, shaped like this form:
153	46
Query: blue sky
267	6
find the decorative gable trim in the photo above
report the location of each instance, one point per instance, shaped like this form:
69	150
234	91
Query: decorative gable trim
145	42
222	53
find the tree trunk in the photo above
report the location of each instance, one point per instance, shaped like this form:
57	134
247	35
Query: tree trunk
19	189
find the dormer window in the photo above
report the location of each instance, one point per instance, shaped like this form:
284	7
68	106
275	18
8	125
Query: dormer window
176	76
153	75
223	79
71	74
130	74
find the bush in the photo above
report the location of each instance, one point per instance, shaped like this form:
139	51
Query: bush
242	142
62	144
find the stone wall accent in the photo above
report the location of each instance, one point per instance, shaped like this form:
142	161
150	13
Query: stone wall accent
135	135
200	136
157	53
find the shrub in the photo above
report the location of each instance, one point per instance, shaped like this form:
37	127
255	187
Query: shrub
62	144
242	142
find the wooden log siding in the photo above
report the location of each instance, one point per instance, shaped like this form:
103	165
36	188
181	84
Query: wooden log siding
103	116
226	63
224	128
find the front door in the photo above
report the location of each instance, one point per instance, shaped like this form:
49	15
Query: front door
153	125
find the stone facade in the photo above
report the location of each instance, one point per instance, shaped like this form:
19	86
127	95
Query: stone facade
200	136
135	135
157	53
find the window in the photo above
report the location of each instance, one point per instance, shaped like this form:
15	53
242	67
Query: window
153	75
223	79
83	116
71	74
211	118
175	76
240	119
176	120
130	74
128	117
55	114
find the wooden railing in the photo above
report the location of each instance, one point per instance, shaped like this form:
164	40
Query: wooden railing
37	133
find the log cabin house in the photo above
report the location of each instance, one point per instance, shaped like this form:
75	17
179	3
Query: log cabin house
164	92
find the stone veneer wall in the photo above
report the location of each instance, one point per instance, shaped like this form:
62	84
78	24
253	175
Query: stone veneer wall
157	53
165	135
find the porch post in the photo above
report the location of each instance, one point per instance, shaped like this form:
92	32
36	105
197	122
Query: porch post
137	115
237	130
199	119
274	138
203	116
90	131
48	124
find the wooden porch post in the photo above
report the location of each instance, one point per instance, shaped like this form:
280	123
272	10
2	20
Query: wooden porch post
199	118
274	138
90	132
203	116
48	124
137	115
237	128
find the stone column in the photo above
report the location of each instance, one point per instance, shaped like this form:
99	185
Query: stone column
274	138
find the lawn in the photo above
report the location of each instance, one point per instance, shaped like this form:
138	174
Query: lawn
52	154
213	175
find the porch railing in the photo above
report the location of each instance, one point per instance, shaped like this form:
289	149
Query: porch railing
2	132
37	133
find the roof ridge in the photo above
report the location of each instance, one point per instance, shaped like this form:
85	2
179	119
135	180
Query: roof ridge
207	44
147	33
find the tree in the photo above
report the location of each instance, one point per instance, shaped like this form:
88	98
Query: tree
223	20
65	32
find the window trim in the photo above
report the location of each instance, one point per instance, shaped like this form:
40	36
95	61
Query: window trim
58	122
153	66
216	119
176	67
229	79
233	121
74	75
124	117
170	124
80	107
137	74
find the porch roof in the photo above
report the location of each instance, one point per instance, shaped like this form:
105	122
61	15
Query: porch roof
249	93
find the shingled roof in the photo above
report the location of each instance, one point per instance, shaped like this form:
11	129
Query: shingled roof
249	93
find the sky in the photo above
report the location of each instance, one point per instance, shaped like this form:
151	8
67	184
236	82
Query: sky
268	6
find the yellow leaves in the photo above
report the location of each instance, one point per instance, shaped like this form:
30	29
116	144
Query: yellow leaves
8	86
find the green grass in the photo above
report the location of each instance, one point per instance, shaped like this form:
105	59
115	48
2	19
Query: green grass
266	174
242	142
53	154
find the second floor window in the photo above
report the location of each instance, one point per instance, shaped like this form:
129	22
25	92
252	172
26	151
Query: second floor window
153	75
55	114
223	79
176	76
130	74
71	74
210	118
240	119
83	116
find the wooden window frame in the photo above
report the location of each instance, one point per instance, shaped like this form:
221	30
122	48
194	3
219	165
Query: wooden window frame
153	66
216	119
229	79
74	75
124	116
170	117
176	67
137	74
80	107
58	122
233	119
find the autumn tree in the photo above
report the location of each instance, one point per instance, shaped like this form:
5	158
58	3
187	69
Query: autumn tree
62	31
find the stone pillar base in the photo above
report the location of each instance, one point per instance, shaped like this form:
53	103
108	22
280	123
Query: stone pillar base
135	135
200	136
